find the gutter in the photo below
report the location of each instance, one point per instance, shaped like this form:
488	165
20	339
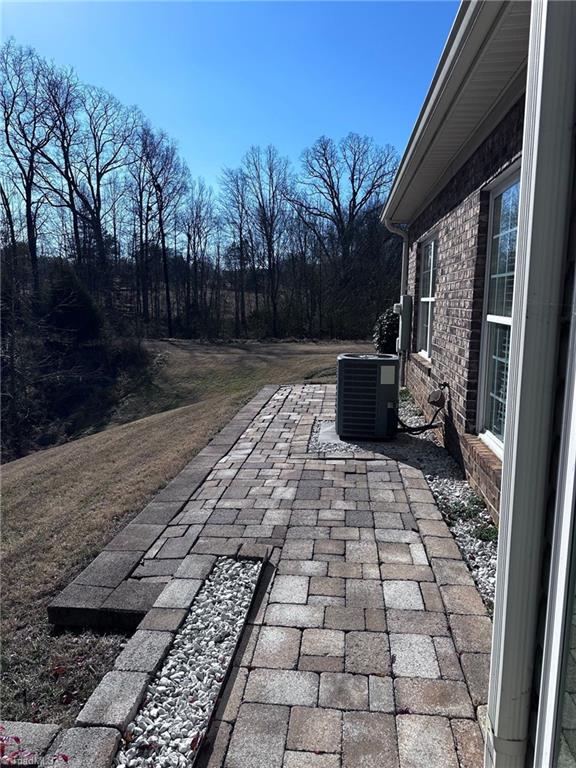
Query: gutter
402	231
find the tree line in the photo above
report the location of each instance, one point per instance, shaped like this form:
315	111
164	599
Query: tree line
274	251
99	205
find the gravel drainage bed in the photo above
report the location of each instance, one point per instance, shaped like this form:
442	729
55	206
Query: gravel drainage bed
463	510
169	728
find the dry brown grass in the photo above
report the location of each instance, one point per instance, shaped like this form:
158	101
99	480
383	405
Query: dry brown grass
61	505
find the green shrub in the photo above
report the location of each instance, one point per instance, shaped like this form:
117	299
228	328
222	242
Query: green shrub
386	333
486	532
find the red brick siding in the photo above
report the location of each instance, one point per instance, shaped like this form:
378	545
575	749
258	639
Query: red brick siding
458	219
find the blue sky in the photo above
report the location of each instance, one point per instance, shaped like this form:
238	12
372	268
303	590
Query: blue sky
220	76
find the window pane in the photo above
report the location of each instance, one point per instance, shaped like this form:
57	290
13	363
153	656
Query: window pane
498	356
503	252
433	268
426	274
427	288
423	335
510	199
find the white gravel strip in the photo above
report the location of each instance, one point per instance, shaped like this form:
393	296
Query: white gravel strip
169	728
463	510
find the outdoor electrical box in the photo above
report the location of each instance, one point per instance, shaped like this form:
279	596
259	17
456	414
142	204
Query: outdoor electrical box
404	310
367	396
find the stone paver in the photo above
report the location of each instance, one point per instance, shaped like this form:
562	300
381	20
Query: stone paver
417	622
345	618
433	697
295	615
369	740
115	701
277	647
370	645
258	738
425	741
290	589
413	656
363	594
343	691
469	743
381	693
87	747
33	737
163	619
269	686
136	537
310	760
230	704
195	567
109	569
448	660
451	572
315	730
367	653
476	668
179	593
461	599
144	651
132	598
213	753
404	595
471	633
322	642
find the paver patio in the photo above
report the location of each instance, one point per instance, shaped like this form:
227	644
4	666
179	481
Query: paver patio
371	644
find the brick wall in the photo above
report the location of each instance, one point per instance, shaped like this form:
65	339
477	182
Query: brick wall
458	218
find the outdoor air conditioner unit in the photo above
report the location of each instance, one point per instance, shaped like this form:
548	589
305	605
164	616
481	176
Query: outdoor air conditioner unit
367	396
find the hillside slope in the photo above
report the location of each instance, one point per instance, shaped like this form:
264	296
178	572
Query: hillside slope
61	505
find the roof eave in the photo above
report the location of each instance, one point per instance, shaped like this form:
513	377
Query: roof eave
473	25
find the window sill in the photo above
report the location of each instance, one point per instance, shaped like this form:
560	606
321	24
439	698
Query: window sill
483	471
421	361
495	445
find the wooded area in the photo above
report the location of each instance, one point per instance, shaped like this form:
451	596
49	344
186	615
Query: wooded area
107	238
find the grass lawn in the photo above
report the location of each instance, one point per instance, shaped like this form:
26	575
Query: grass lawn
61	505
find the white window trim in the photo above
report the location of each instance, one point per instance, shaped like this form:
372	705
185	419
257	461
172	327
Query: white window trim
496	445
427	353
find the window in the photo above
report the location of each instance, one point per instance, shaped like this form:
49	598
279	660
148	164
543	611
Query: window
427	297
498	314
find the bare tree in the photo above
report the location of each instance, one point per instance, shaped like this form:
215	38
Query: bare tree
267	176
26	132
141	196
62	95
169	180
235	207
342	181
92	134
199	220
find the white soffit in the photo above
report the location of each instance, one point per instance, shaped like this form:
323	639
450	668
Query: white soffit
479	78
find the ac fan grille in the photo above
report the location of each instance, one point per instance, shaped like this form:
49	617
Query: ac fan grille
359	387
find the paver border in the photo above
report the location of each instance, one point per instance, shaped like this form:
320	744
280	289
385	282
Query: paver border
103	606
100	726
